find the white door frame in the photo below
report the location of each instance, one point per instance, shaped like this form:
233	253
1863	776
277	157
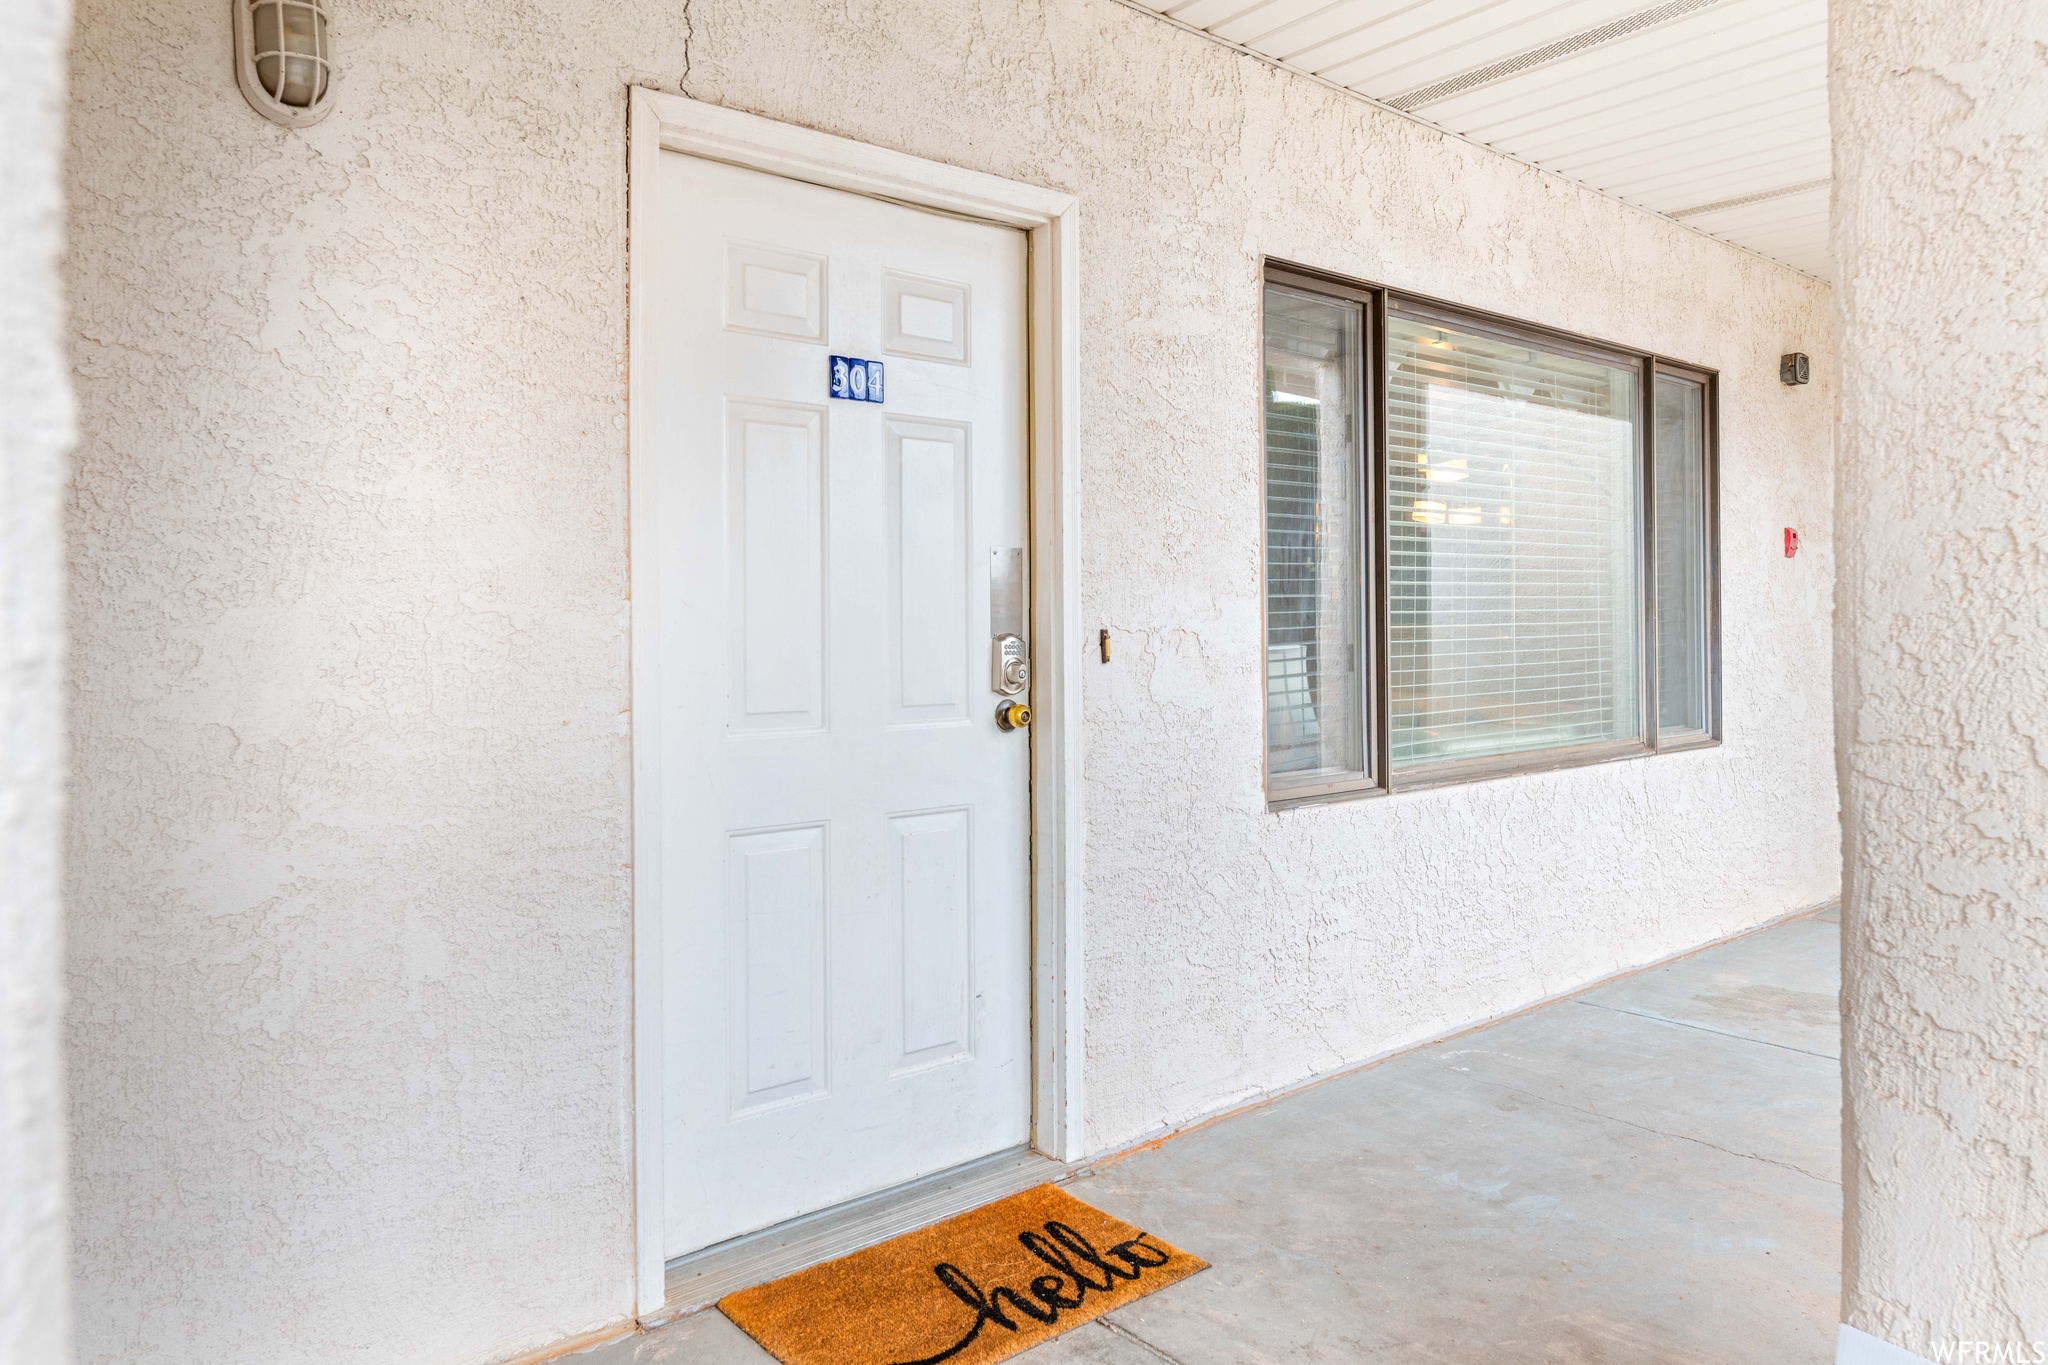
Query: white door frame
657	123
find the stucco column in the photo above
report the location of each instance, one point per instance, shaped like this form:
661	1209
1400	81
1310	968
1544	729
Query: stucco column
1941	632
35	434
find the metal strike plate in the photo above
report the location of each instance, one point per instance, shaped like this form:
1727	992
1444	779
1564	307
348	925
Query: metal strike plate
1005	593
1010	666
1010	671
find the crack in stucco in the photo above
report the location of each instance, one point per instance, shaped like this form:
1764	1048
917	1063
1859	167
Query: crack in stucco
689	33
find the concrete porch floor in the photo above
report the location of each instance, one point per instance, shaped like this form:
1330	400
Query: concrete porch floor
1645	1174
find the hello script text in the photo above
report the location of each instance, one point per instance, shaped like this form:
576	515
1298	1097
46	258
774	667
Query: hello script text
1062	1249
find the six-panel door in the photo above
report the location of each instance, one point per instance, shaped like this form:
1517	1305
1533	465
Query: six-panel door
846	862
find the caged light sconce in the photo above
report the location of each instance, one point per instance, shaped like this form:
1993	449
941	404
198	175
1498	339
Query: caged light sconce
281	59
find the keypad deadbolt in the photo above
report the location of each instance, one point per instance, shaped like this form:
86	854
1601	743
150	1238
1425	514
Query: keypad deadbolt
1009	657
1011	668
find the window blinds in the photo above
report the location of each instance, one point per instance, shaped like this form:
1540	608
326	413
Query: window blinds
1512	547
1315	731
1681	522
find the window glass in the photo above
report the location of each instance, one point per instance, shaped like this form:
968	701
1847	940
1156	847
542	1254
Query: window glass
1681	493
1513	547
1315	727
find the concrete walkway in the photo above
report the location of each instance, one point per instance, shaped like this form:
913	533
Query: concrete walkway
1645	1174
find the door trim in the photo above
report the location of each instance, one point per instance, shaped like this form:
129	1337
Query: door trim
660	122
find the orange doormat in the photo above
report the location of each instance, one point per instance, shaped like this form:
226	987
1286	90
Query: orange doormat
976	1288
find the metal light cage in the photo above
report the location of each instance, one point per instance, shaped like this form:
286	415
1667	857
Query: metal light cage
282	61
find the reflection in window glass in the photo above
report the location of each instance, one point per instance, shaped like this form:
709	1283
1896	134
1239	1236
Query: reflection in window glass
1681	484
1315	731
1512	541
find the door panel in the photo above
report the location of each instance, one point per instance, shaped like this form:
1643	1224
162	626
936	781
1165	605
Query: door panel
781	293
928	857
777	927
928	592
924	318
775	544
846	863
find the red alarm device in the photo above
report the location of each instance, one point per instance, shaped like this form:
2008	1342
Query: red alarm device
1791	542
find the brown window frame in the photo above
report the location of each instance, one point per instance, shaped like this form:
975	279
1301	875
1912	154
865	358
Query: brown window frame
1379	777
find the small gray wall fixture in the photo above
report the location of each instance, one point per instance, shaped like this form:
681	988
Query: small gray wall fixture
1941	231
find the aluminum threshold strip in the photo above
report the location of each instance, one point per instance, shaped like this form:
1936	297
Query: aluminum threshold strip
702	1278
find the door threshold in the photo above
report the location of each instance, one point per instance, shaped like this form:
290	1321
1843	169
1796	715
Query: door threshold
702	1278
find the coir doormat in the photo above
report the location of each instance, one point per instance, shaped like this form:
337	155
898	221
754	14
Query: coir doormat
976	1288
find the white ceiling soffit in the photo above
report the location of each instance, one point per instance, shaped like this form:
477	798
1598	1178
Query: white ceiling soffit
1711	112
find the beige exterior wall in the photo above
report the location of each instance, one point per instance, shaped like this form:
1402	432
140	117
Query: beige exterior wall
352	926
1941	221
35	435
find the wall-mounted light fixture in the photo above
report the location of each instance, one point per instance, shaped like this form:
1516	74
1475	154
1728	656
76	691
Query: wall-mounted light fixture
282	61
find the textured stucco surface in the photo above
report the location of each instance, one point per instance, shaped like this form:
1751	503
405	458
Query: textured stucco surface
351	938
1941	220
35	434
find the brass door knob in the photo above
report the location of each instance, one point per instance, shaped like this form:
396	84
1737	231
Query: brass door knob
1013	715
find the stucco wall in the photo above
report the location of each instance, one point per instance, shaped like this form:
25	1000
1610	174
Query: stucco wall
35	433
349	927
1941	219
1230	949
352	924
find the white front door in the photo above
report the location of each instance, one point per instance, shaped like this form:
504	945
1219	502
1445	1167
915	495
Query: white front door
846	872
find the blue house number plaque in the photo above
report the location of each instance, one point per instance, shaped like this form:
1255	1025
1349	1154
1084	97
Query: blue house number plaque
857	379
